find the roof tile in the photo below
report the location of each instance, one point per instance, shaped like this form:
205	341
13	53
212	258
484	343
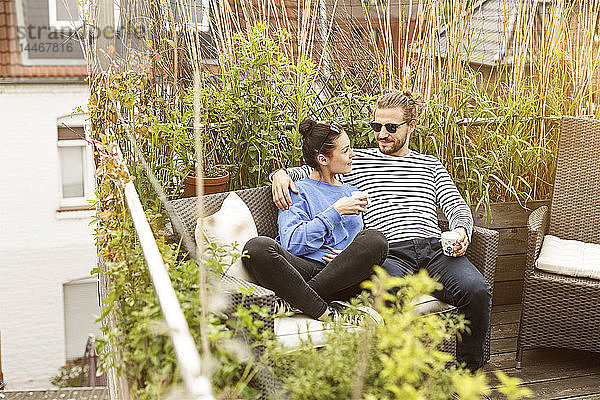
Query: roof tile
10	57
97	393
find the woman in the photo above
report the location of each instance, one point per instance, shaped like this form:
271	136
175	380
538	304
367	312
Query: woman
323	252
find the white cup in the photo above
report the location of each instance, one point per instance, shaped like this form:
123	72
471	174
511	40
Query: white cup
359	193
449	240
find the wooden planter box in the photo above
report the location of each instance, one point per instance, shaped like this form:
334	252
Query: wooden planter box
510	220
118	387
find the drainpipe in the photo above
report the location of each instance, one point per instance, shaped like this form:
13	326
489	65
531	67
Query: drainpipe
324	35
1	374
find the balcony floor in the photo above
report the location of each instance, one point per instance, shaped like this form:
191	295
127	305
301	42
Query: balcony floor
549	373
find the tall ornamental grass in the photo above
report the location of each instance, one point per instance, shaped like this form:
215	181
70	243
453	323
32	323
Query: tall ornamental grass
494	128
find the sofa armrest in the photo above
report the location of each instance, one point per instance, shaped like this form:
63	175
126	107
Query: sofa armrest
257	295
483	252
232	284
537	227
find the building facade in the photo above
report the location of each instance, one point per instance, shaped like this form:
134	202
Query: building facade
48	301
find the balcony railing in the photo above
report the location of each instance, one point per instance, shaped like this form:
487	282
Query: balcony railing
189	361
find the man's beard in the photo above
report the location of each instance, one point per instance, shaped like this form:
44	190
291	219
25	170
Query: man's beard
396	146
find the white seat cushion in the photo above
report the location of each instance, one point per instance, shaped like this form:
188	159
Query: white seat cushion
290	331
425	304
569	257
232	223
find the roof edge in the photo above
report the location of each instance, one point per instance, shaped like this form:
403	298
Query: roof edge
43	79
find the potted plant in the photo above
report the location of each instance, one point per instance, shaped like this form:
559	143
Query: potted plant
215	177
215	180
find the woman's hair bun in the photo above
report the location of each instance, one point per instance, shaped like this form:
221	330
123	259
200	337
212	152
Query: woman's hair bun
306	127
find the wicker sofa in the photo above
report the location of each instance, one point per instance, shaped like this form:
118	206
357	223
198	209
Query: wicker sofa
482	252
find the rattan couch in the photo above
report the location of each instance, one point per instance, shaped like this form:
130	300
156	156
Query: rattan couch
559	310
482	252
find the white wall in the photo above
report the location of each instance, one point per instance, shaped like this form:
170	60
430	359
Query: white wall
39	250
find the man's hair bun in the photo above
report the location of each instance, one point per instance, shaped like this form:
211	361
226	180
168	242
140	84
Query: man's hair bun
396	99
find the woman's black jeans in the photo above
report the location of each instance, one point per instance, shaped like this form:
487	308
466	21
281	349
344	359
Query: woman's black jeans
308	284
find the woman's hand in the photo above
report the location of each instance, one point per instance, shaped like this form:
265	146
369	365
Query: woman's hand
330	256
352	204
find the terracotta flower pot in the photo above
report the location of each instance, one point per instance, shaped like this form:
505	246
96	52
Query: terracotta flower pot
211	185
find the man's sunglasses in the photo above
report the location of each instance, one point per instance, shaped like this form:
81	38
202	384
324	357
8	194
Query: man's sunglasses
391	128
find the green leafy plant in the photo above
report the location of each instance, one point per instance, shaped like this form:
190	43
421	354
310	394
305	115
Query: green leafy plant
249	105
492	149
220	258
400	359
72	374
495	131
140	347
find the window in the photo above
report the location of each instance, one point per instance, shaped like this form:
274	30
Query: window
70	14
76	172
191	11
64	14
375	36
81	310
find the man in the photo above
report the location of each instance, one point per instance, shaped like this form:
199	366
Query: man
405	189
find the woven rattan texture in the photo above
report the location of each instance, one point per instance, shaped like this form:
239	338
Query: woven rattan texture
264	380
264	213
450	343
575	210
563	311
259	201
483	253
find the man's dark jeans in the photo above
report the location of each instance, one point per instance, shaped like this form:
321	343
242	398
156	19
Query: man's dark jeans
308	284
464	287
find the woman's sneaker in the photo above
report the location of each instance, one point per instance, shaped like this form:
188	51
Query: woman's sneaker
353	314
282	307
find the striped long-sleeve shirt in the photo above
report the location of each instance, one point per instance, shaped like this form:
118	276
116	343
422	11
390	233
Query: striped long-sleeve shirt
405	193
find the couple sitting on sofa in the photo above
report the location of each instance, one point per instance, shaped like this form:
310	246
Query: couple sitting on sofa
324	252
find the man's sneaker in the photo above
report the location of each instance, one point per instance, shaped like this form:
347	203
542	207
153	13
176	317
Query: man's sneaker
354	314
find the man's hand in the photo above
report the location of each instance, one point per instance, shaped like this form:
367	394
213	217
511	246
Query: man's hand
463	242
329	257
281	186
